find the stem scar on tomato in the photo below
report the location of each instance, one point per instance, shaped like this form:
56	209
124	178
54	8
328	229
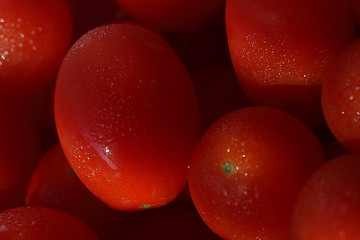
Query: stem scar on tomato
228	168
145	206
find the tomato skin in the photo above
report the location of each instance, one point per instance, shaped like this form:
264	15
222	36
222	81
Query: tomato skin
280	49
172	16
340	97
34	37
20	150
247	170
40	223
53	184
328	207
127	116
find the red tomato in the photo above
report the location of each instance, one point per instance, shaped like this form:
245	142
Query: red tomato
20	150
247	170
34	38
328	206
281	48
173	16
341	99
54	184
127	116
39	223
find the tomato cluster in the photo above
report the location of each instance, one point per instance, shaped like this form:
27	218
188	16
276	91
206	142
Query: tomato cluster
153	119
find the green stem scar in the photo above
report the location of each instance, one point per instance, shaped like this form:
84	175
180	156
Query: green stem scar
145	206
228	168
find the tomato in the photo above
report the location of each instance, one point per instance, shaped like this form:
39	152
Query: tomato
34	37
169	222
328	206
340	97
20	150
247	170
280	50
127	116
39	223
54	184
172	16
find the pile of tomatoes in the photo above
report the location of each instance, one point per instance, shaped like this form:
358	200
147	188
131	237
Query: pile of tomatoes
181	119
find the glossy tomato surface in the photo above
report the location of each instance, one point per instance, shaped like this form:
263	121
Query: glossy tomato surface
341	99
34	38
328	206
281	48
173	16
54	184
247	170
40	223
127	116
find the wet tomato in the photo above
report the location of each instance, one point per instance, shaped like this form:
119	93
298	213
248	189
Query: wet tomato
328	206
34	38
40	223
247	170
127	116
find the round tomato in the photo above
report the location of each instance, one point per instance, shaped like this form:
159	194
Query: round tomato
127	116
247	170
341	99
38	223
328	206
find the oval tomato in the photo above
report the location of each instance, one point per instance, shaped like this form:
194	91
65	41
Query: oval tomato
247	170
281	48
127	116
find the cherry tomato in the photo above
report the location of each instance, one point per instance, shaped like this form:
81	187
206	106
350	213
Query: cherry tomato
173	16
34	38
247	170
20	150
127	116
280	50
54	184
328	206
340	97
39	223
